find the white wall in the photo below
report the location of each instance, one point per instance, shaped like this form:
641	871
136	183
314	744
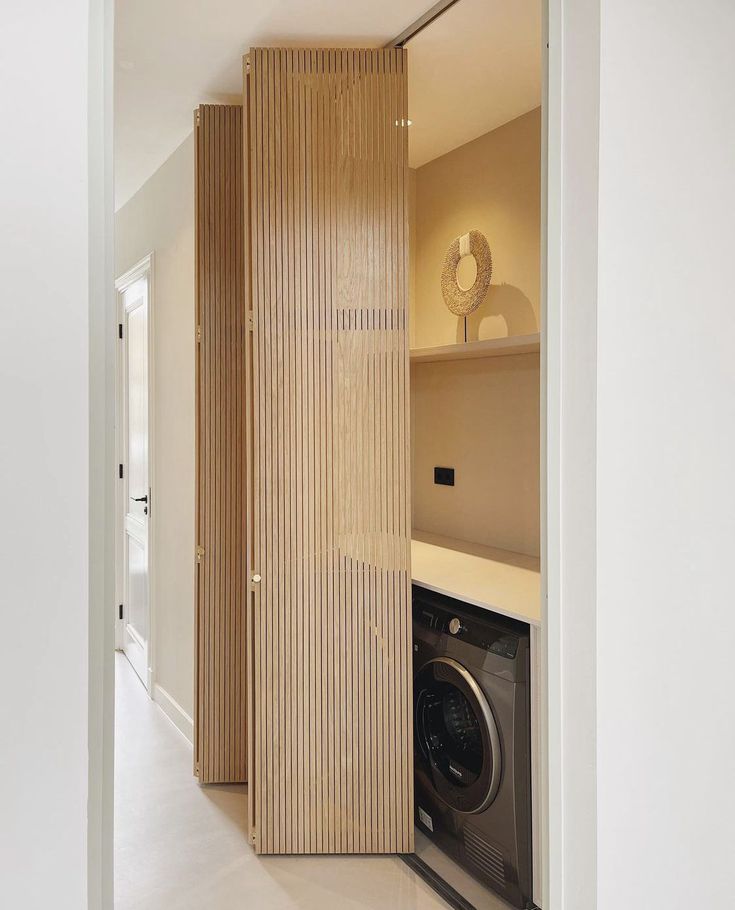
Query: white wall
641	500
46	158
665	455
160	218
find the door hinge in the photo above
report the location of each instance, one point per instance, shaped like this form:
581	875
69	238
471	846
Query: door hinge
119	330
199	334
120	471
250	320
197	117
120	612
200	553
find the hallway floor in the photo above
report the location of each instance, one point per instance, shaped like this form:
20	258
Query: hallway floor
179	846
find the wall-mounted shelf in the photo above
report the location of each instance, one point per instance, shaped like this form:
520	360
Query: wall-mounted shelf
507	583
491	347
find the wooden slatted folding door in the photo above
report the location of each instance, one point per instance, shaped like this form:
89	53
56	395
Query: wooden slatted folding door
220	752
330	720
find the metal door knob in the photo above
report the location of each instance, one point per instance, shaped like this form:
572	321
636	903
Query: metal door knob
455	626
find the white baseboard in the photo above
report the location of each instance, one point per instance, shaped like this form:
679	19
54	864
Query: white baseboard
175	713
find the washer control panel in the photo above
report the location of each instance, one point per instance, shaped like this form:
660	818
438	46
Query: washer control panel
480	634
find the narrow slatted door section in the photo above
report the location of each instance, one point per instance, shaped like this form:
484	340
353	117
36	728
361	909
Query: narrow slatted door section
220	753
331	711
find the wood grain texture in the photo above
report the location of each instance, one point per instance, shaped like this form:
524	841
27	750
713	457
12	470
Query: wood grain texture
220	700
331	720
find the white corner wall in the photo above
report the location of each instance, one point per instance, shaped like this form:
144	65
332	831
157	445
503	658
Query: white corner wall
640	452
159	218
665	455
53	299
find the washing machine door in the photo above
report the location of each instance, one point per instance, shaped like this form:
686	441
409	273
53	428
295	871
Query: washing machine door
457	734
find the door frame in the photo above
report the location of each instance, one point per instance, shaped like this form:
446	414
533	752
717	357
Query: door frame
570	177
144	268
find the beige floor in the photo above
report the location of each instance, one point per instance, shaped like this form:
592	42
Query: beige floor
179	846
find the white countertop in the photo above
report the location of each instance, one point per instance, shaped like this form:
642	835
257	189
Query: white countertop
507	583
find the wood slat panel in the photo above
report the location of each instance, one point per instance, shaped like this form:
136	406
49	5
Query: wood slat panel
331	720
220	753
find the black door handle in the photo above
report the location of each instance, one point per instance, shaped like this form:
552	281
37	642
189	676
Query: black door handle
139	498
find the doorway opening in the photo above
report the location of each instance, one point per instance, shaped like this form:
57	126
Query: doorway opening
488	361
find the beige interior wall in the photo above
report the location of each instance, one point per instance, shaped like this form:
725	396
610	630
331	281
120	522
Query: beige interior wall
160	218
492	184
480	417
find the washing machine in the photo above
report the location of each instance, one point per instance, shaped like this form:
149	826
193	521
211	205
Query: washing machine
472	740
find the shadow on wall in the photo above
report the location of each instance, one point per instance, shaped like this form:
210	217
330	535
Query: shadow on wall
505	311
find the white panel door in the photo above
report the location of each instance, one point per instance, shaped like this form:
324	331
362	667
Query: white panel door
136	495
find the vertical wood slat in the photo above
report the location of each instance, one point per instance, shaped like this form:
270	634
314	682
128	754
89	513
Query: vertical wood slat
220	748
331	719
250	486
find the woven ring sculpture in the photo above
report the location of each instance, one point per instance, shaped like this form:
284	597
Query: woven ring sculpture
460	301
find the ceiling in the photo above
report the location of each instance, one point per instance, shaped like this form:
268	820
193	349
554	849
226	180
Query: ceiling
171	55
474	68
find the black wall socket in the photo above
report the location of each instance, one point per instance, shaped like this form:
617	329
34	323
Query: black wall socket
444	476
